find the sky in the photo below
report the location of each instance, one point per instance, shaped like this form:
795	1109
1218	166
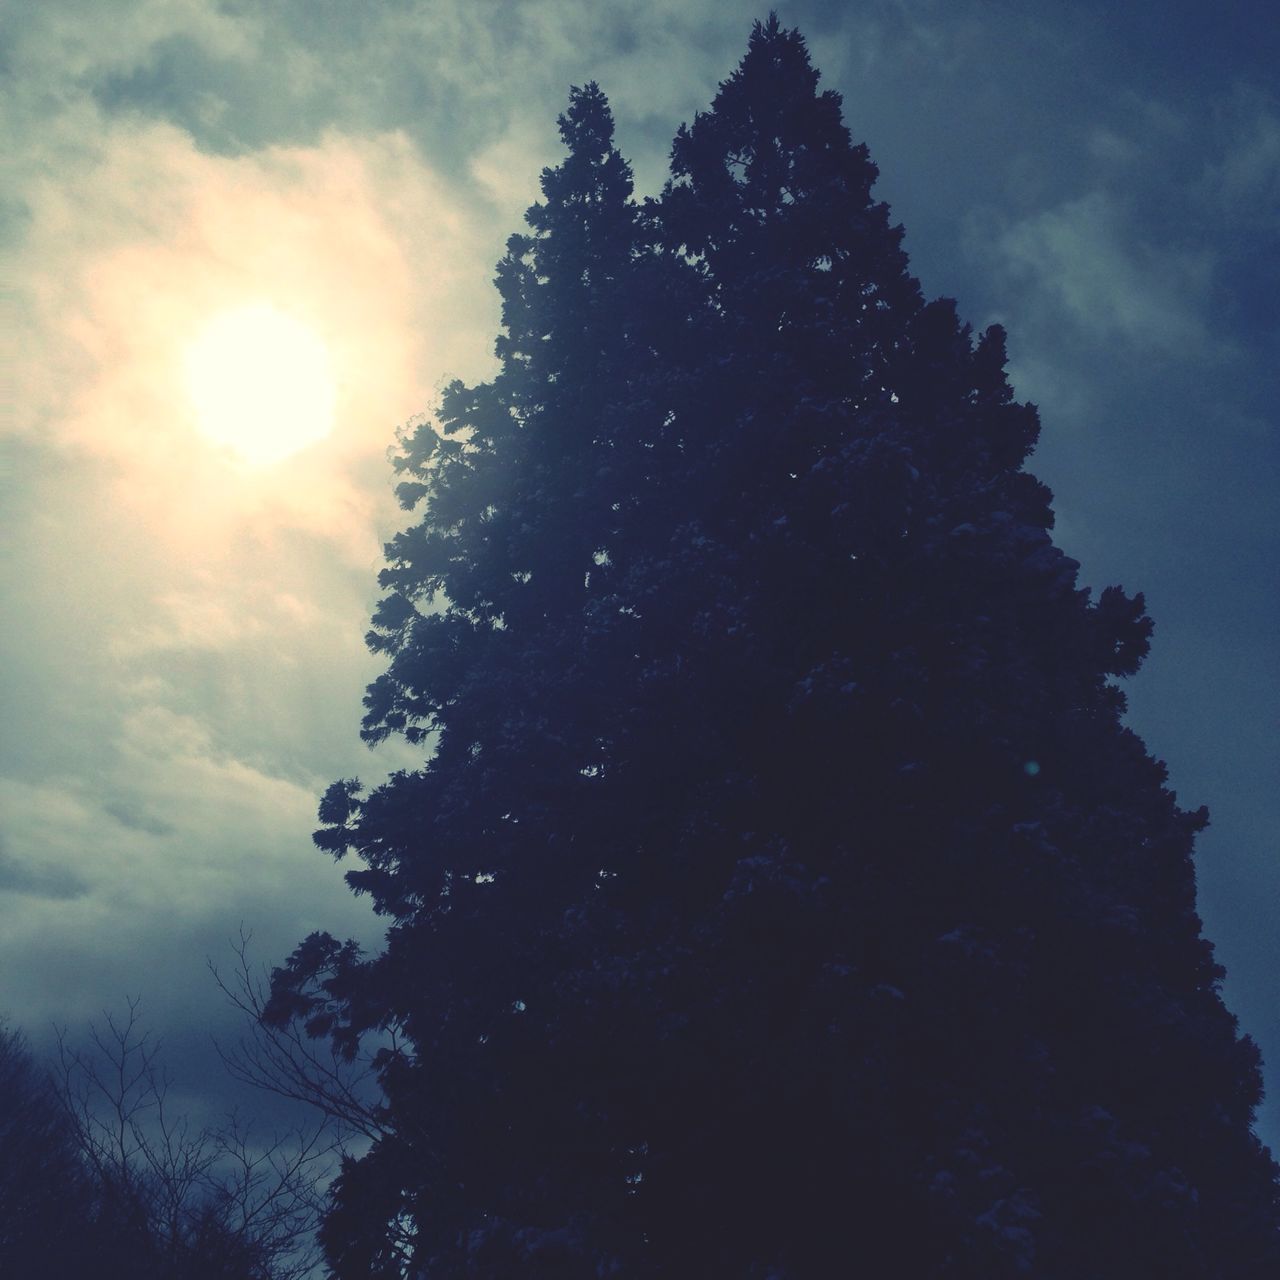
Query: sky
181	634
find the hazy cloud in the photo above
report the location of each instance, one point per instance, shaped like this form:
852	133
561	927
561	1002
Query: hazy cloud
36	881
1090	273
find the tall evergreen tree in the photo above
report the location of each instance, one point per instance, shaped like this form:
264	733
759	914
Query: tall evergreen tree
530	488
783	894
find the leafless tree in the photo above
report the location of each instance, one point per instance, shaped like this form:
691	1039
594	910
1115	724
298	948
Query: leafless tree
208	1201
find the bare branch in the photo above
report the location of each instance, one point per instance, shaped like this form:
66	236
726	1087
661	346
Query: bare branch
191	1190
287	1062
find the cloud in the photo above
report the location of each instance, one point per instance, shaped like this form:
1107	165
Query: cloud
1237	195
25	879
79	40
128	258
1087	271
182	635
1247	180
173	836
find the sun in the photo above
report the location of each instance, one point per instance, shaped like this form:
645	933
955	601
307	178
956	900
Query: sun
261	383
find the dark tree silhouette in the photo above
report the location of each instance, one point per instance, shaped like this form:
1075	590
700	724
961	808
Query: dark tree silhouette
782	894
43	1185
179	1201
99	1177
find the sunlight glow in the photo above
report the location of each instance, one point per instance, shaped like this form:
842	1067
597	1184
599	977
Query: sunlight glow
261	383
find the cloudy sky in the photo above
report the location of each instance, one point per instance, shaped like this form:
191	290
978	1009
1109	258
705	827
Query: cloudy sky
181	655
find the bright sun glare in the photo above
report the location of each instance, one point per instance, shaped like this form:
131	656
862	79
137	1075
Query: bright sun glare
261	383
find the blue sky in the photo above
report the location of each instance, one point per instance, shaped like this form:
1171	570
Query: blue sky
181	647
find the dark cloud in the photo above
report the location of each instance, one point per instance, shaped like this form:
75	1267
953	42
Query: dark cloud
32	880
226	104
131	812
